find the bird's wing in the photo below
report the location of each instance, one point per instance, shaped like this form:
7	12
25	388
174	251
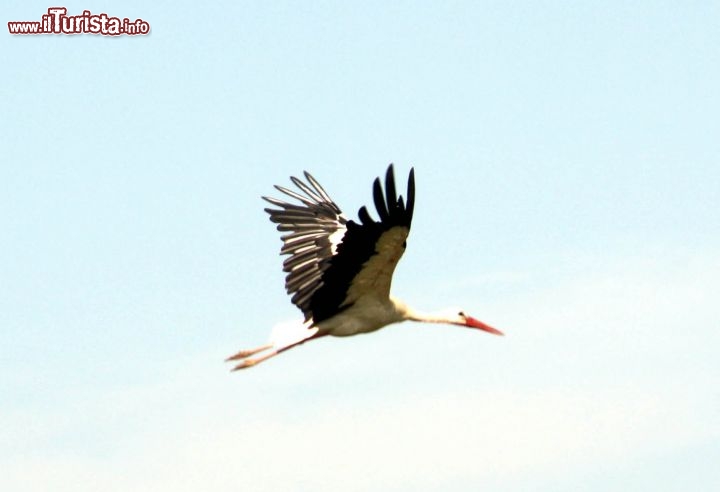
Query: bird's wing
333	261
369	251
315	227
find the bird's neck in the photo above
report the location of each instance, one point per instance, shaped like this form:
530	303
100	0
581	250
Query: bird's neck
407	313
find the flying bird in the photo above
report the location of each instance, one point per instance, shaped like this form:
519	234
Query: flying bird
339	271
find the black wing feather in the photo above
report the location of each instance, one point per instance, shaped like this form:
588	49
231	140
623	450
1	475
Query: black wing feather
359	245
308	242
379	200
319	274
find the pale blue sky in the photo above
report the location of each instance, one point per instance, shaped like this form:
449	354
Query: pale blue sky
568	186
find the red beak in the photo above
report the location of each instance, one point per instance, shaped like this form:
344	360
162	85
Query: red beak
474	323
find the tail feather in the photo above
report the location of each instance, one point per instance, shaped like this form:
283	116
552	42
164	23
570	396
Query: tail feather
285	335
282	337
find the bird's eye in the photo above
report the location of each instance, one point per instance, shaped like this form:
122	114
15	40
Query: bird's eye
461	314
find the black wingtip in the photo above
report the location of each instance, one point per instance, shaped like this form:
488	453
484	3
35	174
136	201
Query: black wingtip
379	199
392	209
364	216
410	206
390	192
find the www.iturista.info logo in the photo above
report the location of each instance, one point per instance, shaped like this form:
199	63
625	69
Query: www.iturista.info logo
56	21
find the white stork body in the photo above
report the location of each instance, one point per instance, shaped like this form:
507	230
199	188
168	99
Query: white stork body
339	271
368	314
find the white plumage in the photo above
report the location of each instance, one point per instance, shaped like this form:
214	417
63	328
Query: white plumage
339	271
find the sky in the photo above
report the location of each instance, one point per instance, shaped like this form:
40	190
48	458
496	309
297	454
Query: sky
568	193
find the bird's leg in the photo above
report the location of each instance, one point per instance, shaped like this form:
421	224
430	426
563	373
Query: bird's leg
247	353
278	345
249	362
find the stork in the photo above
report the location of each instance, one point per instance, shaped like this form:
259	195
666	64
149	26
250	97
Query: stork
339	271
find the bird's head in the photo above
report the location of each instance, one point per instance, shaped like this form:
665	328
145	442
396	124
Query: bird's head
460	318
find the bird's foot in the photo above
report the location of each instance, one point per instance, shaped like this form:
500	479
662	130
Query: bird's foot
244	364
247	353
249	362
